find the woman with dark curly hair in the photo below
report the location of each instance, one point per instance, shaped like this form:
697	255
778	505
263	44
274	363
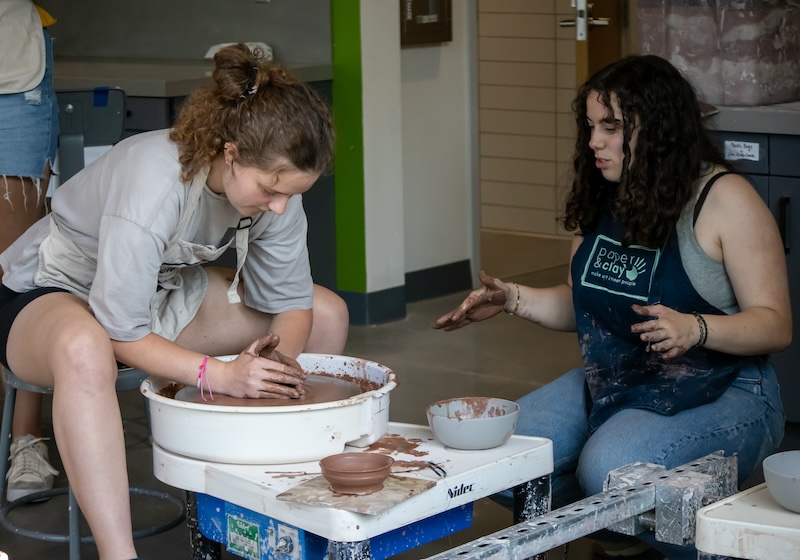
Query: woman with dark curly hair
677	289
115	272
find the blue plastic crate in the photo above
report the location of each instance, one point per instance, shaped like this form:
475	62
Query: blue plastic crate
256	536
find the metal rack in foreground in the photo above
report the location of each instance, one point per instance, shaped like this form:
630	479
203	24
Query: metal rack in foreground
638	497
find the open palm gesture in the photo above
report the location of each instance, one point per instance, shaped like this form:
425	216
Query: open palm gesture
481	304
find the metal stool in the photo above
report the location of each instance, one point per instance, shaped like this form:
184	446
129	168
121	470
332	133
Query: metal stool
128	379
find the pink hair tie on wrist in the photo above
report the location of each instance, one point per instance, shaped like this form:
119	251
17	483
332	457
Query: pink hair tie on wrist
200	376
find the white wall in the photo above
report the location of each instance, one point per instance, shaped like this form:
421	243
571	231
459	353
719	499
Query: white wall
419	146
383	147
439	146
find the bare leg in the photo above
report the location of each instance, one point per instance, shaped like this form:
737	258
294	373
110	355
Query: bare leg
27	414
21	205
55	340
220	328
331	323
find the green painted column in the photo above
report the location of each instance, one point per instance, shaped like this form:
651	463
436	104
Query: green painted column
351	265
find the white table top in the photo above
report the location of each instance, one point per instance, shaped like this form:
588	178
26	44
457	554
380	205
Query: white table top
255	487
749	525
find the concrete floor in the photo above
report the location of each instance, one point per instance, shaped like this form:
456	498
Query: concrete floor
505	357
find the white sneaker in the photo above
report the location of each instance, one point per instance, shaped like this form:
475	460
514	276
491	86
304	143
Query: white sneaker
29	471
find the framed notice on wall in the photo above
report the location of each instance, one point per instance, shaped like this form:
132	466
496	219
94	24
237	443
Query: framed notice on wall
425	22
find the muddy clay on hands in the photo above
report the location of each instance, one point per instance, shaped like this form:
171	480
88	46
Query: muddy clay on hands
318	389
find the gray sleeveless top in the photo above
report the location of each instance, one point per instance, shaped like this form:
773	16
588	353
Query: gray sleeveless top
708	276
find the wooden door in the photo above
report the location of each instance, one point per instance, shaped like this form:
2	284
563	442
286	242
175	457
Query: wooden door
598	35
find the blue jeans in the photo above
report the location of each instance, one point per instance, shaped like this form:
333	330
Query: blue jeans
747	420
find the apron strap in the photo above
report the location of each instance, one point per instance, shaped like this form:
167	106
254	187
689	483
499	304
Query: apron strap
242	241
702	198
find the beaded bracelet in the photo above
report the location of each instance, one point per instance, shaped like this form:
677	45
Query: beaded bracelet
200	377
701	323
516	306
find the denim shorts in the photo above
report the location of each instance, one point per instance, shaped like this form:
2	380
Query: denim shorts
29	126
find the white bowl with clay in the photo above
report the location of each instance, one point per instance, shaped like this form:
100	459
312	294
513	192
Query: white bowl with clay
473	423
275	434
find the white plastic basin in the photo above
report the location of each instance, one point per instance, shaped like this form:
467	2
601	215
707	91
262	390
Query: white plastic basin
280	434
782	475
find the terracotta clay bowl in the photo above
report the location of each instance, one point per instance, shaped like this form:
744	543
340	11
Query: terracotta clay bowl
356	473
473	422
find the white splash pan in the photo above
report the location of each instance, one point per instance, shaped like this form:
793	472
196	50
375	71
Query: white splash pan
278	434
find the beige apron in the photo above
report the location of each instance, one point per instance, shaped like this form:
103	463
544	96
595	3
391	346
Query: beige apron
180	289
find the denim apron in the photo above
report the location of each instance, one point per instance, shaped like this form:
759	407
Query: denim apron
620	373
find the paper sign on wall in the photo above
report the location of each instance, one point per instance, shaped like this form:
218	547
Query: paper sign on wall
741	150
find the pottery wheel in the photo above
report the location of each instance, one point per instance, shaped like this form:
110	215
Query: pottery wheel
319	389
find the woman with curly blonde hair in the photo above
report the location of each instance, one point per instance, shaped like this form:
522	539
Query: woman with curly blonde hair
115	272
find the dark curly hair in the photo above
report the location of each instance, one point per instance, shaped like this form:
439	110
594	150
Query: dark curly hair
673	150
270	116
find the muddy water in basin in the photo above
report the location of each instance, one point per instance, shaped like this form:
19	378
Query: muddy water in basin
319	389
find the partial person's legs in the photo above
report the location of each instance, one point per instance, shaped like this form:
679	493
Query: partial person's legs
29	469
558	412
27	415
746	420
55	341
22	204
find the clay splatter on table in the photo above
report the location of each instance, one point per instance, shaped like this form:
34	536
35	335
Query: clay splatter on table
395	443
317	492
408	466
288	474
